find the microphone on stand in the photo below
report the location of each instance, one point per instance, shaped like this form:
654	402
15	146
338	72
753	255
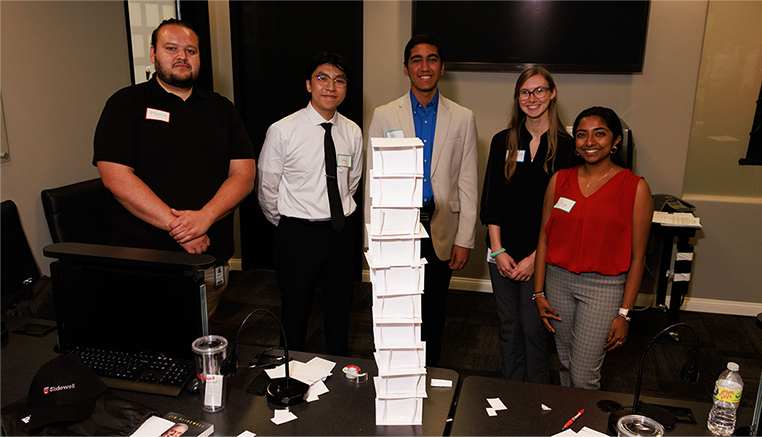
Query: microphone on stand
280	391
688	373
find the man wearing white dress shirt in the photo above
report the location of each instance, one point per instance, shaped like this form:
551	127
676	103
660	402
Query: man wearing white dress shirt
309	168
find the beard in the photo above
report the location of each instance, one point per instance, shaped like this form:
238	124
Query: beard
168	77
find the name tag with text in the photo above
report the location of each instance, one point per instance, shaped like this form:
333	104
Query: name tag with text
564	204
155	114
343	160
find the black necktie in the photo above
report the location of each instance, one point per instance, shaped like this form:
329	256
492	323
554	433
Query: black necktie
334	198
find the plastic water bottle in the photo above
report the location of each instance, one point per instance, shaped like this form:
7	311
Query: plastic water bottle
727	395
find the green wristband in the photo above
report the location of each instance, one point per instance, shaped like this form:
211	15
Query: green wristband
497	253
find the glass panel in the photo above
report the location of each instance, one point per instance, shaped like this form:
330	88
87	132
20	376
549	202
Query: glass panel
728	87
144	17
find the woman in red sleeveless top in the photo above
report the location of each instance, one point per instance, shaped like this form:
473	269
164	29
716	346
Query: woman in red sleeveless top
591	251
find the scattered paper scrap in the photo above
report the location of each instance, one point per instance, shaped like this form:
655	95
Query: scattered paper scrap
328	365
590	432
315	370
246	434
491	411
316	390
282	416
585	432
441	383
497	404
545	407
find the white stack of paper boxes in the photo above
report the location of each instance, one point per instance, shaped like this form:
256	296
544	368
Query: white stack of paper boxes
396	269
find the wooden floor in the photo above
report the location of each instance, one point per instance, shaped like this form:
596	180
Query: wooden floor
472	348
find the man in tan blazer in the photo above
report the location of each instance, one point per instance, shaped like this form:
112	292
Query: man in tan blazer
448	132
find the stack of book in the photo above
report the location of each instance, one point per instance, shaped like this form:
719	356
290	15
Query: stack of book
396	269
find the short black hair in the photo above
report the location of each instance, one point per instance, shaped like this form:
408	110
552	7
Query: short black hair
331	58
611	120
423	38
167	22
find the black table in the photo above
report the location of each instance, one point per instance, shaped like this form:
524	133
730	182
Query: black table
525	416
347	409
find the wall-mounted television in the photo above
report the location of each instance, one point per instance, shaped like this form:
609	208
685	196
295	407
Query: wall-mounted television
563	36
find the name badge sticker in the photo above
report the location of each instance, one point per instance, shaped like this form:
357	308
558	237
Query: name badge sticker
519	155
564	204
395	134
155	114
343	160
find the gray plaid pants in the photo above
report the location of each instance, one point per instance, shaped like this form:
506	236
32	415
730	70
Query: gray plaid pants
587	304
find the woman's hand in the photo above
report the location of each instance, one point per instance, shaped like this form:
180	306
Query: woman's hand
617	334
505	264
524	269
546	312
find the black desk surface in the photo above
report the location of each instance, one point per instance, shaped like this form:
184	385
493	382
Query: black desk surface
347	409
524	414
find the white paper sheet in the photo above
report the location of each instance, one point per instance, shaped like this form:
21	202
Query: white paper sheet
497	404
282	416
316	390
441	383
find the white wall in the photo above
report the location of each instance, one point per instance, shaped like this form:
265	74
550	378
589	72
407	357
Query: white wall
60	63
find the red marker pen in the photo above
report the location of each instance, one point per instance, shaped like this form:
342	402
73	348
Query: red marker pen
573	419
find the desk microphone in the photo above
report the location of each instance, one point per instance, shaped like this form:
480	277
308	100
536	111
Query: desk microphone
280	391
688	373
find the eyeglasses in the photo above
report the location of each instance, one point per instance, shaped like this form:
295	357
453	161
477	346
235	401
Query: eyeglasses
539	92
324	80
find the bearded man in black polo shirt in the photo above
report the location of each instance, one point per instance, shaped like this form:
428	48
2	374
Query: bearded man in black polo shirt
176	157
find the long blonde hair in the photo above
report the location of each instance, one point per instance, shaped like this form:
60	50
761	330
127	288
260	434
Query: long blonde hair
518	117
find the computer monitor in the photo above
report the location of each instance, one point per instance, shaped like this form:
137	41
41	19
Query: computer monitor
127	299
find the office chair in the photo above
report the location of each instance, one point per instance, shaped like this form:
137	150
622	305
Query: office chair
24	291
78	213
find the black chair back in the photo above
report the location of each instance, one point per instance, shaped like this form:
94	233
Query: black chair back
78	213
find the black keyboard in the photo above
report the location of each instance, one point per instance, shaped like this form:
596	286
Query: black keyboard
142	372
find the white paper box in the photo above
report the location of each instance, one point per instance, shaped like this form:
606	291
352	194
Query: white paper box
393	250
405	306
389	360
401	386
397	156
395	280
406	411
396	190
394	220
399	333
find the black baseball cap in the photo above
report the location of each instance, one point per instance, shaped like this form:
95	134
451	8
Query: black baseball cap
64	389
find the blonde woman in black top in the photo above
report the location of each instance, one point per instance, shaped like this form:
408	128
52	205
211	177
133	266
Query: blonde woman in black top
522	159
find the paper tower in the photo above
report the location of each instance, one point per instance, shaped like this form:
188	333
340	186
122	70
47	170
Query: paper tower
396	270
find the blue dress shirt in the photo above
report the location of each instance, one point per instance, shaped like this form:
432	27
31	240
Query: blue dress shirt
425	121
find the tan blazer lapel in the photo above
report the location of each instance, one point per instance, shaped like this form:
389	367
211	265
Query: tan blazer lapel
405	117
440	134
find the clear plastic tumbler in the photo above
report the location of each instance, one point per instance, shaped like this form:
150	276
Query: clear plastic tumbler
210	352
635	425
